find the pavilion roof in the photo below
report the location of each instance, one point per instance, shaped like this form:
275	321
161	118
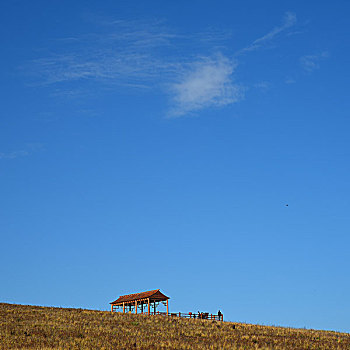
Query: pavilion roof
153	295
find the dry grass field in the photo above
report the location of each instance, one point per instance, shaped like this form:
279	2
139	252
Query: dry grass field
34	327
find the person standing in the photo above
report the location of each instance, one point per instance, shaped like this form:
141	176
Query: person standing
220	315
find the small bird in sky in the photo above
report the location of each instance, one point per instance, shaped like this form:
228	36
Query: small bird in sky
286	205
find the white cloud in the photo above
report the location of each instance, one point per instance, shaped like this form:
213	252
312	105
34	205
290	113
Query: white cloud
289	20
123	68
205	83
127	54
14	154
290	81
312	62
29	149
262	85
146	55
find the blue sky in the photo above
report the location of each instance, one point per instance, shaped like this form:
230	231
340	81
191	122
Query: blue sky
156	144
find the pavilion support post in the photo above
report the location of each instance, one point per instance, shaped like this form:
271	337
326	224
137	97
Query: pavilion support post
148	307
136	307
111	308
123	307
167	307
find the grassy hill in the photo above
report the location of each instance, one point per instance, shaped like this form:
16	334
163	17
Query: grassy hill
34	327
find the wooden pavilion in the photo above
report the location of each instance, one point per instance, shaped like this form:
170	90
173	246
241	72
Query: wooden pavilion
133	302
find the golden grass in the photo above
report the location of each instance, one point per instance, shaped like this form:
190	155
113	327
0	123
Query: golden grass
34	327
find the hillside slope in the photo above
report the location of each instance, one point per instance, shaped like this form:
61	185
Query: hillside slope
34	327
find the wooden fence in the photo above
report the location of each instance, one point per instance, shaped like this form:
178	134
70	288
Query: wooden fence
199	315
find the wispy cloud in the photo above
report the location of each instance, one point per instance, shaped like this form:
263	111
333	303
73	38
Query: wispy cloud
29	148
141	55
128	54
290	81
14	154
146	55
123	68
289	20
205	83
312	62
262	85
